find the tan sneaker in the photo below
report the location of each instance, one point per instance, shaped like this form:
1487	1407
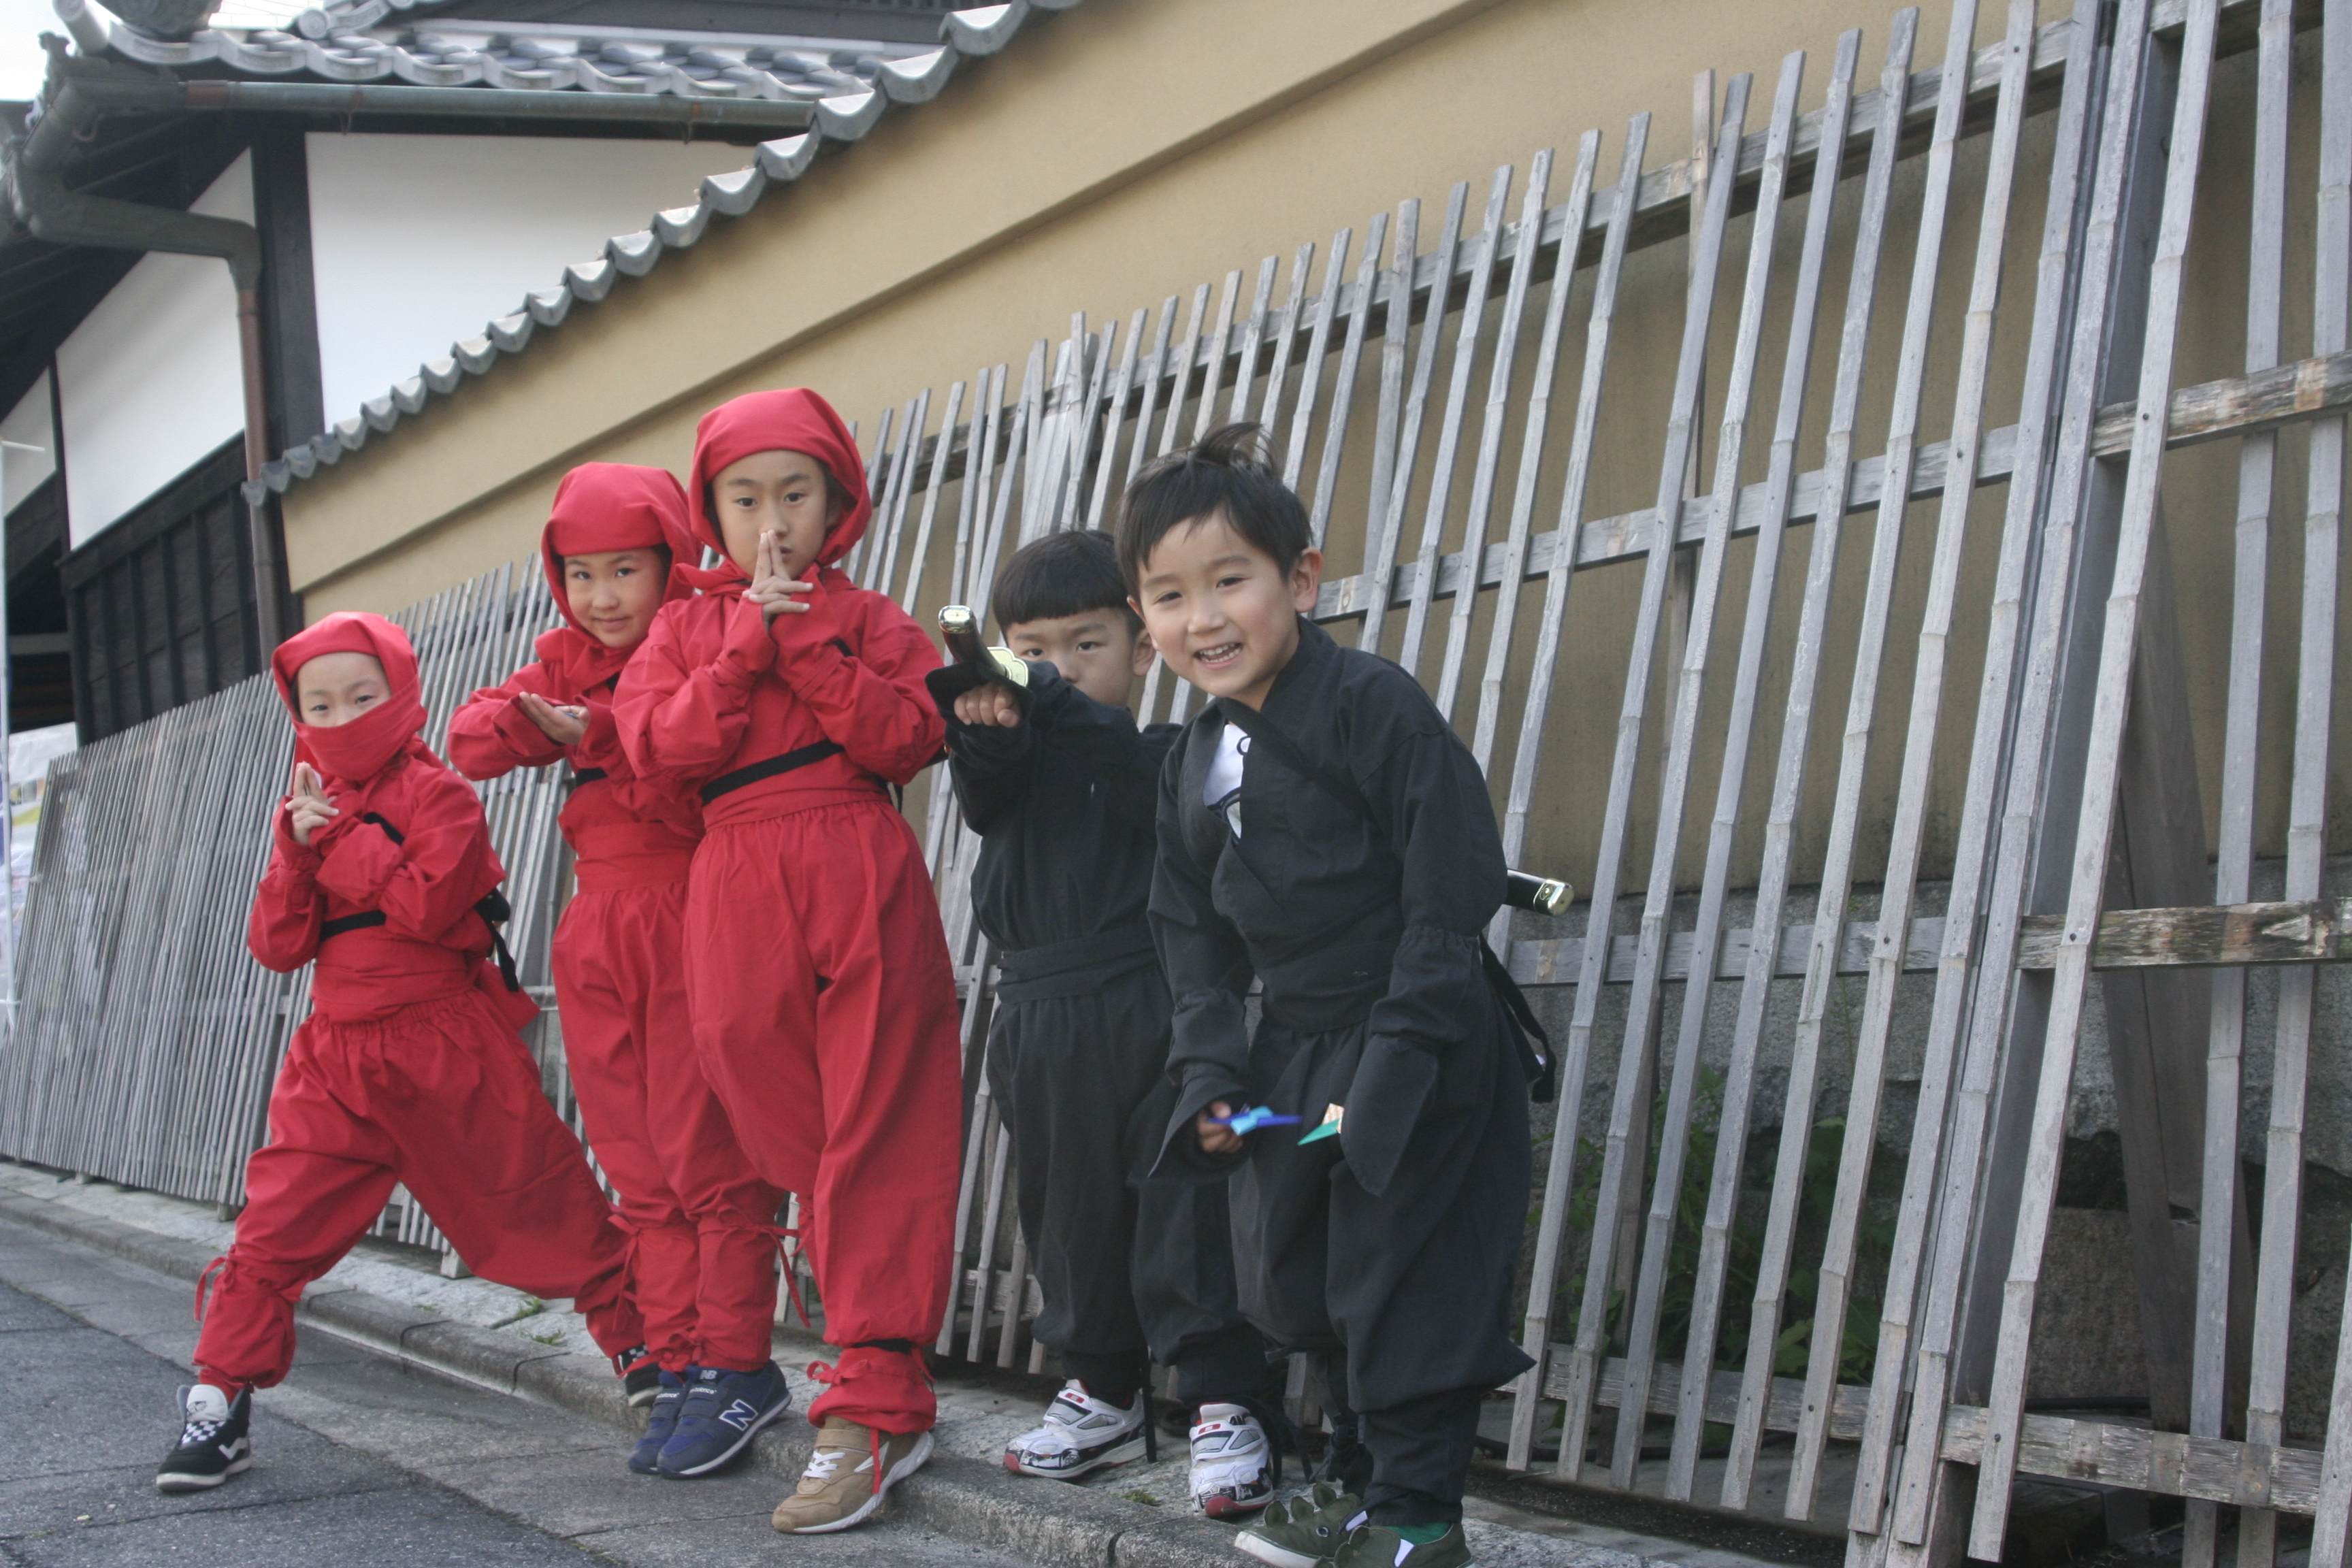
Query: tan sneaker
852	1469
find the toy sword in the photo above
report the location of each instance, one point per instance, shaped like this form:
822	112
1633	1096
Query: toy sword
960	630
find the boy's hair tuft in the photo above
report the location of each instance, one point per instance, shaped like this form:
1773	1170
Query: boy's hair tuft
1231	471
1061	575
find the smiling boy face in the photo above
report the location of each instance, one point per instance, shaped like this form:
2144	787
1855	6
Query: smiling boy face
1223	612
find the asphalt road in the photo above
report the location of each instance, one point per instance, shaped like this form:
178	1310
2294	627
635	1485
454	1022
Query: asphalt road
358	1462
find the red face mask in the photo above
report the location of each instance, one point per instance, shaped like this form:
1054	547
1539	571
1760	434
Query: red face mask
600	507
354	752
793	420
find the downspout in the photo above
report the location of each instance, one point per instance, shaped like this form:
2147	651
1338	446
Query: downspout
76	93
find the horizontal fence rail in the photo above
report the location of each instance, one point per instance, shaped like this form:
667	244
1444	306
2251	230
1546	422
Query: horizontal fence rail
1782	528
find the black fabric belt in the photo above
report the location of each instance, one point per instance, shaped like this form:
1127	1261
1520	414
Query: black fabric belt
1330	987
1075	967
727	784
491	906
363	920
586	775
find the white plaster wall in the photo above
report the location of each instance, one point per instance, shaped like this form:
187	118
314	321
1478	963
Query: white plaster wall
29	424
149	382
416	241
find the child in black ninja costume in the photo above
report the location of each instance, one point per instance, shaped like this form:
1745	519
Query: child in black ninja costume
1064	790
1322	828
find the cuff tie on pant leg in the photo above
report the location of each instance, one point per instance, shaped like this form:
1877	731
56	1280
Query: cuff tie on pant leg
889	1391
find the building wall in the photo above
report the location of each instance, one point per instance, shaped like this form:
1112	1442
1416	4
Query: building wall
1122	150
32	423
151	380
1128	150
415	241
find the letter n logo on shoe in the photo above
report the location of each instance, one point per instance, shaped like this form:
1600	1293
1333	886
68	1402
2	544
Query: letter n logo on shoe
739	1414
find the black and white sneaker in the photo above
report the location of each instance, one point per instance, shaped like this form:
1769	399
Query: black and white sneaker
640	1378
1233	1465
213	1444
1081	1434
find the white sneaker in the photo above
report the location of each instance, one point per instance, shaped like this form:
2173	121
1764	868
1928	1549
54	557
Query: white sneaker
1081	1434
1233	1463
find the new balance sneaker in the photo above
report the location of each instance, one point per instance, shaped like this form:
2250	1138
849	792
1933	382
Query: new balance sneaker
851	1470
1081	1434
1232	1462
1386	1546
214	1443
669	1393
722	1412
640	1378
1302	1531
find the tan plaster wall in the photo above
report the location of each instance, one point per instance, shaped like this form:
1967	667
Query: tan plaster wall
1112	156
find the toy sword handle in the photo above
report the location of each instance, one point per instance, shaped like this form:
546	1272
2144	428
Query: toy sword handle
960	630
1525	891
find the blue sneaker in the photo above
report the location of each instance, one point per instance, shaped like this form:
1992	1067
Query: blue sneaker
668	1394
723	1412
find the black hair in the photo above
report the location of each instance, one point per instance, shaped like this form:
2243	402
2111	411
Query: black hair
1061	575
1230	471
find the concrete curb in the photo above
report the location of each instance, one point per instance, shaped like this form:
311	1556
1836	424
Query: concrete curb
970	1500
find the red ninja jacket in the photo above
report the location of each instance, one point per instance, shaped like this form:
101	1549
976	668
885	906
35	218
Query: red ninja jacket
424	877
839	689
624	830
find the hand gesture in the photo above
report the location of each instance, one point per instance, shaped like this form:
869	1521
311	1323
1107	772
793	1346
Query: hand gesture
1217	1138
994	703
308	807
564	726
772	589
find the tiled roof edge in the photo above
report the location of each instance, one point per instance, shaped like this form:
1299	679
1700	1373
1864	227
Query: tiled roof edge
982	30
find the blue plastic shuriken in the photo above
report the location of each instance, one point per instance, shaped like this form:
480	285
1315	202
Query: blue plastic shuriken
1255	1117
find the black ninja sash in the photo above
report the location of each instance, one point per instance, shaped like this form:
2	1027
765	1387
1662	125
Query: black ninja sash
1073	968
728	783
491	906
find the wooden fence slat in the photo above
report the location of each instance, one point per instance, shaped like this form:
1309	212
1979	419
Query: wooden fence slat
1915	782
2274	1272
1552	1218
1643	1014
2071	976
1600	1271
1796	731
1708	937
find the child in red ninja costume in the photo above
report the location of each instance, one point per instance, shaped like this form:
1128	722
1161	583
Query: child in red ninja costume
816	971
702	1219
409	1070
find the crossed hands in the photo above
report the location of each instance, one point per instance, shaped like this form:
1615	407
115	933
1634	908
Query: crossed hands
772	588
564	726
309	806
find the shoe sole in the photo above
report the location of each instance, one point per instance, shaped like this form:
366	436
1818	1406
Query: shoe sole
897	1472
181	1482
1235	1508
1124	1453
1266	1551
704	1468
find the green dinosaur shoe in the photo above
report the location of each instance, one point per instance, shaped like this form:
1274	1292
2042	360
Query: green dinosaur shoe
1379	1546
1303	1531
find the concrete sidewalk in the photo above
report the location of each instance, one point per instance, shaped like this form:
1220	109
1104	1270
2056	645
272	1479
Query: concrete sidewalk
502	1342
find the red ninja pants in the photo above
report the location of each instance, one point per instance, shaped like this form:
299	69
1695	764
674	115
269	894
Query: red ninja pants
441	1096
825	1014
703	1221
